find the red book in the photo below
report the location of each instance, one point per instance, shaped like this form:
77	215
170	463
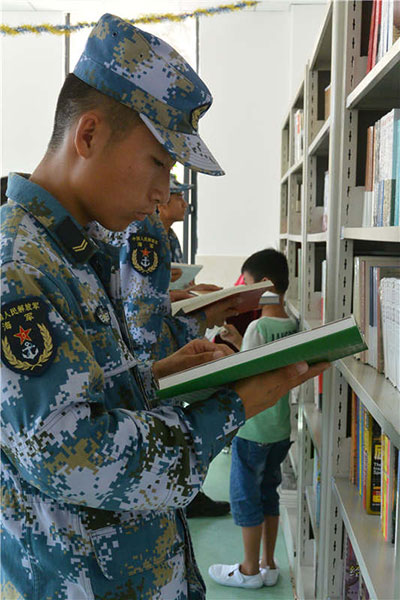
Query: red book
377	32
371	36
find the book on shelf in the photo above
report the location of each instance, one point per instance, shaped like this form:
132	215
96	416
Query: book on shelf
389	292
326	343
189	272
375	338
363	291
382	172
351	571
248	298
365	456
371	464
388	488
298	134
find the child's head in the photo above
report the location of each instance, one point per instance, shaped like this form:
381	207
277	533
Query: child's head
267	264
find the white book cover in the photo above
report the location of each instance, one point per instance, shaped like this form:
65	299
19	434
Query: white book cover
189	272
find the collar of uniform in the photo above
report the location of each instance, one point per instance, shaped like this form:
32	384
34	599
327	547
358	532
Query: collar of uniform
52	215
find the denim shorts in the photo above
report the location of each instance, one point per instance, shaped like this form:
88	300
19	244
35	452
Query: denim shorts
255	476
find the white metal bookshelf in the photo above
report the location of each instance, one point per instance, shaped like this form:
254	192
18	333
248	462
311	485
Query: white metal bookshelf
330	144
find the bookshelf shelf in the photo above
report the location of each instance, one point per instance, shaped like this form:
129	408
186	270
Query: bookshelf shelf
375	556
321	55
312	321
317	237
378	395
312	509
380	88
320	144
283	236
313	419
295	237
293	307
377	234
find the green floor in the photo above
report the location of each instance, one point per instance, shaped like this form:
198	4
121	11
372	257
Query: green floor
218	540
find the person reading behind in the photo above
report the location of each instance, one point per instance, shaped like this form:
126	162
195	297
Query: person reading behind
261	444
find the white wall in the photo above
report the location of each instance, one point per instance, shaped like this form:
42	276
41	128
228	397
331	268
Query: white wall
253	67
32	74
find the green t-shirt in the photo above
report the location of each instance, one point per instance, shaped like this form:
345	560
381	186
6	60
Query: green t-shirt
273	424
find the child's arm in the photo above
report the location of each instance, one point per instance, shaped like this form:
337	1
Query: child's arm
230	334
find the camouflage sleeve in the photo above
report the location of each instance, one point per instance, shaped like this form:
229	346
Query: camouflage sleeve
70	418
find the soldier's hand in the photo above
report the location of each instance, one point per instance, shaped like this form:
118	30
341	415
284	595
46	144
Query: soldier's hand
175	274
263	391
194	353
230	334
176	295
217	313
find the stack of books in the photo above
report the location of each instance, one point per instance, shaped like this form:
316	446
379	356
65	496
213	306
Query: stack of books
380	328
384	29
382	172
389	297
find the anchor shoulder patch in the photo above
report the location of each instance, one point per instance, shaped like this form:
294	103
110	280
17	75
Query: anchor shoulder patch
27	341
144	253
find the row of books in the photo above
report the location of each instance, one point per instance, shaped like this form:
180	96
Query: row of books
376	307
374	468
384	29
353	585
382	172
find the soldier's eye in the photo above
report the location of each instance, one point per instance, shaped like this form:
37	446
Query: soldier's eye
158	162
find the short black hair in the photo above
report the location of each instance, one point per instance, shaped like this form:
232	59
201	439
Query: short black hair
271	264
77	97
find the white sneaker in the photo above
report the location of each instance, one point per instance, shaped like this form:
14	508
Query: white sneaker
269	576
232	576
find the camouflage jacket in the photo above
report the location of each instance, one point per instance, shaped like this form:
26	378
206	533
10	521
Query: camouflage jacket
145	262
92	479
175	247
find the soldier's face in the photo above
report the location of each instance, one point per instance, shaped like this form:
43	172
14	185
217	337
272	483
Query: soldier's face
177	207
124	180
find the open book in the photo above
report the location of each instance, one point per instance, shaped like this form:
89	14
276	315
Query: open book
189	272
326	343
249	296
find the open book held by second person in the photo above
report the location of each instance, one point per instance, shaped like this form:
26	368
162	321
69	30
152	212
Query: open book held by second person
249	298
326	343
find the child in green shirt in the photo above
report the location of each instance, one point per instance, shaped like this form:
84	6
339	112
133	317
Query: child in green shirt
261	444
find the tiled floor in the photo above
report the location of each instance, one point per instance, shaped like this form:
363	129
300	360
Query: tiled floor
219	540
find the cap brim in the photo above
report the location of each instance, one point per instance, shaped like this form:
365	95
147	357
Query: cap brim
182	188
188	149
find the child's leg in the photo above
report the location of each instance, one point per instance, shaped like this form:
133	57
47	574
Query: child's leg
277	452
251	545
247	473
269	535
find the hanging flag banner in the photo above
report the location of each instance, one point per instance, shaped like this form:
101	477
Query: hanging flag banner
145	19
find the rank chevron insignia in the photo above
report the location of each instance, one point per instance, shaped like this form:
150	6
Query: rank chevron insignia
82	246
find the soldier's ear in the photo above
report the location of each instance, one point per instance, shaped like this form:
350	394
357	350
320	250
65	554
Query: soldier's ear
90	134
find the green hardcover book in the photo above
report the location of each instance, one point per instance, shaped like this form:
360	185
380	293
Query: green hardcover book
326	343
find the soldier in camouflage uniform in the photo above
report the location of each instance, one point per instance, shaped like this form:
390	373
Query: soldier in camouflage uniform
93	480
145	263
178	205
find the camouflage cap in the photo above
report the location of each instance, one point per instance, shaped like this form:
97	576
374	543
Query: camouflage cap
177	188
143	72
